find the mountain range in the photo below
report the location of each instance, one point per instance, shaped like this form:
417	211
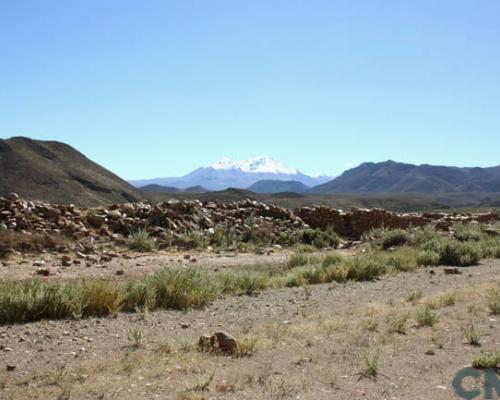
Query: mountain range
227	173
395	177
55	172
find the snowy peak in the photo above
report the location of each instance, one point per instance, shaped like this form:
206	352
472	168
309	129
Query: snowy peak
254	165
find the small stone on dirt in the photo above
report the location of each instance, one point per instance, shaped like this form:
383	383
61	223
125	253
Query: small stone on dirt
452	271
43	271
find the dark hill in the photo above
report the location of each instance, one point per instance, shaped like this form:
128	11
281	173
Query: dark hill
57	173
158	188
170	189
278	186
394	177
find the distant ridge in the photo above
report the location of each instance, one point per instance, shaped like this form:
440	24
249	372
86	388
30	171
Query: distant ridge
55	172
277	186
171	189
395	177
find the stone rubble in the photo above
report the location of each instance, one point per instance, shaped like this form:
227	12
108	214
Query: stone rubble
177	218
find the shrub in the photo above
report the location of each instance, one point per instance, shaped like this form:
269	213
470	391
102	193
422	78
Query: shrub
31	242
99	298
428	257
192	240
485	360
249	282
223	238
391	238
331	259
364	268
458	253
424	236
413	297
403	259
371	363
450	252
473	336
320	239
494	301
298	260
426	316
141	241
397	323
245	345
182	289
468	232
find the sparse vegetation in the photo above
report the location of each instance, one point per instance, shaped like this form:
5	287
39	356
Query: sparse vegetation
135	335
485	360
472	335
397	323
426	316
31	242
494	301
392	238
142	241
414	296
173	288
319	238
469	232
371	363
245	345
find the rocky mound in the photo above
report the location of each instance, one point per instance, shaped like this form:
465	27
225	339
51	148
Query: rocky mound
57	173
176	218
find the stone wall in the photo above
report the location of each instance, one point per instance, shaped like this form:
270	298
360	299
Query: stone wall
180	217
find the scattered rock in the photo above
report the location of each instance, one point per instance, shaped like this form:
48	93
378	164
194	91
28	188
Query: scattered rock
43	271
66	261
452	270
219	341
38	263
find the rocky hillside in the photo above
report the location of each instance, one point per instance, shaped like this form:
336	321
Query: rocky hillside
394	177
57	173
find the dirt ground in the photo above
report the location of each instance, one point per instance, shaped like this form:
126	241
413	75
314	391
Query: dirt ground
310	343
130	264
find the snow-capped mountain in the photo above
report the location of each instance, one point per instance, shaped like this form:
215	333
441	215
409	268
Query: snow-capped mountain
227	173
255	165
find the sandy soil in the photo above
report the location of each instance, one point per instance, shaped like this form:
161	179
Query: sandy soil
311	343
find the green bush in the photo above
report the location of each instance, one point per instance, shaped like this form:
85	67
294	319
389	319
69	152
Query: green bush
485	360
320	238
494	301
427	257
392	238
452	252
182	289
426	316
141	241
469	232
364	268
459	253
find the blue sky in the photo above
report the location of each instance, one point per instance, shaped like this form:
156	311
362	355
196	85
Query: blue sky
158	88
